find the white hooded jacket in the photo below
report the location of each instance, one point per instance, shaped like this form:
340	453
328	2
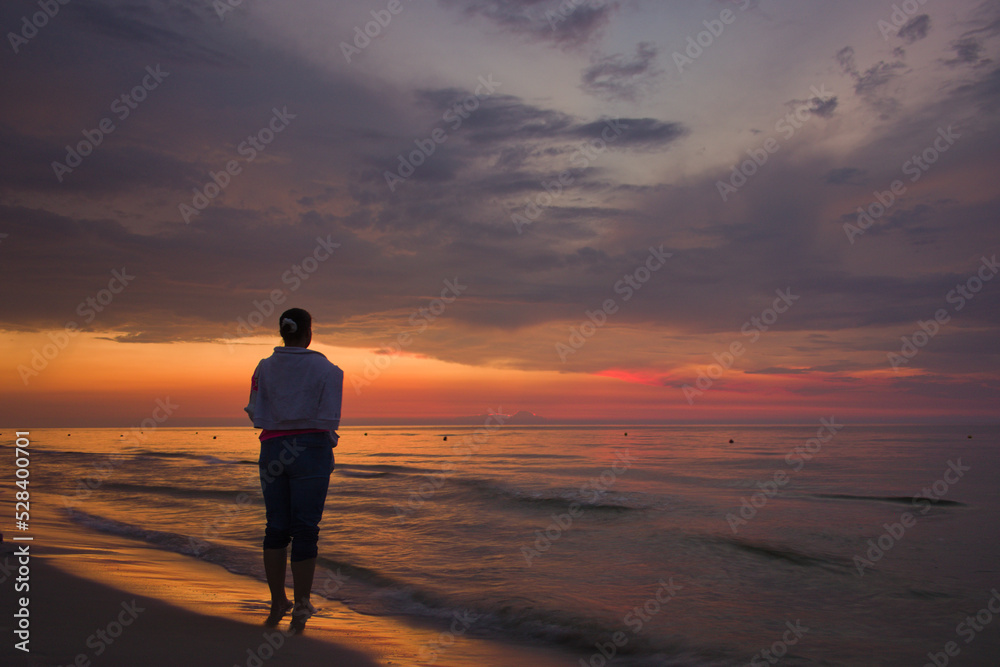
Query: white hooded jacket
296	388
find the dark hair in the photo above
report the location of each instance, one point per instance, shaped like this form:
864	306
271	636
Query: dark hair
294	323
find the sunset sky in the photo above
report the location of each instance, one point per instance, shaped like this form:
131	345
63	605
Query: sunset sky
451	198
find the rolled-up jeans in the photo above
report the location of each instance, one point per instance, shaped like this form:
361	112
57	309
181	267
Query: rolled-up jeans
294	477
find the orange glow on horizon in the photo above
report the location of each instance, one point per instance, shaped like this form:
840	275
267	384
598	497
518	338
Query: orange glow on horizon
97	381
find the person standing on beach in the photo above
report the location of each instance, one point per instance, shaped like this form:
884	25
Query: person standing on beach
295	398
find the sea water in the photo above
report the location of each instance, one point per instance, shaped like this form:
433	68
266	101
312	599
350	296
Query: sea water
826	544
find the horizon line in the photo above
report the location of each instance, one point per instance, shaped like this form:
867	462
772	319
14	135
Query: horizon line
636	424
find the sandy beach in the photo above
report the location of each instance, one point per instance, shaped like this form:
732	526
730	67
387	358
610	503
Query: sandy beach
77	621
99	599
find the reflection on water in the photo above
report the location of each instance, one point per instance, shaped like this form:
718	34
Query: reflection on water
558	534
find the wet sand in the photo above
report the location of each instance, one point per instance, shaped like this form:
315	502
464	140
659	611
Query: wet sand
100	599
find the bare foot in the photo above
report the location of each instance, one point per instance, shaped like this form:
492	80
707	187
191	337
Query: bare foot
300	614
278	611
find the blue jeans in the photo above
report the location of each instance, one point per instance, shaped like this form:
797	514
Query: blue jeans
294	477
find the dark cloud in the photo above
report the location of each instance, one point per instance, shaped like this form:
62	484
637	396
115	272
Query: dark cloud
562	22
620	78
988	23
324	177
970	47
109	169
984	92
160	25
644	132
581	24
915	29
845	175
181	275
777	370
521	144
824	106
832	372
968	51
845	57
877	77
871	84
917	222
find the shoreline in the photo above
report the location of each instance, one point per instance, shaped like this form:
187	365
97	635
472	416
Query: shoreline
77	621
194	612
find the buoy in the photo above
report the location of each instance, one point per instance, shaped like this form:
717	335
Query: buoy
730	441
214	437
445	437
366	434
626	433
970	437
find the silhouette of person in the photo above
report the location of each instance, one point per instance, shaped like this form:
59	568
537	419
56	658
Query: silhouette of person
295	398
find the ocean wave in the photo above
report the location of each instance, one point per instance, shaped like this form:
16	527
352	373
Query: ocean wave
150	453
369	591
607	500
231	559
785	554
902	500
386	468
177	491
205	458
362	474
527	455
